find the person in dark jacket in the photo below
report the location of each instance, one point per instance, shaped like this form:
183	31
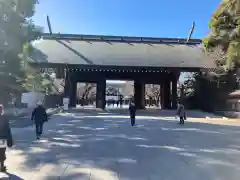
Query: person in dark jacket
5	138
132	111
39	116
181	113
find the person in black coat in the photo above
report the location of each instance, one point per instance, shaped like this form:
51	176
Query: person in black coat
39	116
5	138
132	111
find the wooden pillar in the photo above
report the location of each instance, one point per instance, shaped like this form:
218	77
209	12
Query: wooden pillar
67	84
167	100
73	97
174	92
70	88
101	93
162	95
139	95
59	73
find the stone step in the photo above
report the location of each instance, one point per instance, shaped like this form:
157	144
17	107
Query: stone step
4	176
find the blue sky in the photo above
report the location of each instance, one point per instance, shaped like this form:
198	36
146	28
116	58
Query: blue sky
156	18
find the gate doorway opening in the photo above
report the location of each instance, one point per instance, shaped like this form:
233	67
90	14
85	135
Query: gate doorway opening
118	93
86	94
153	96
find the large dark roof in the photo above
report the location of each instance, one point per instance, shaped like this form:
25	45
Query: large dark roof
120	51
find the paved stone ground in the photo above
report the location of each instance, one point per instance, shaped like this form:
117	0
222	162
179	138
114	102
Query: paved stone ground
103	146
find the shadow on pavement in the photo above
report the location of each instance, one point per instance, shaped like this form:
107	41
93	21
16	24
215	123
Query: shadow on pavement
14	177
151	112
109	147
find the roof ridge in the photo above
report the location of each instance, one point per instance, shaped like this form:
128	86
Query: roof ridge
123	39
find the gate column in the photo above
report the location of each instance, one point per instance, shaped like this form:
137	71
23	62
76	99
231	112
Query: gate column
174	93
166	99
70	88
100	96
162	95
139	95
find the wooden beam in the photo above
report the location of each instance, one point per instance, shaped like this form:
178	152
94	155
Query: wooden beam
49	25
191	32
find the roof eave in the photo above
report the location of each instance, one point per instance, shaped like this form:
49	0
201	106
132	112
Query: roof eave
83	66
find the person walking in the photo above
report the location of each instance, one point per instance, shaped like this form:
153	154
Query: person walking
5	138
121	101
132	111
39	116
181	113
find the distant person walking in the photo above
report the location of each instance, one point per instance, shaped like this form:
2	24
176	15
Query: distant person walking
39	116
181	113
5	138
132	111
121	101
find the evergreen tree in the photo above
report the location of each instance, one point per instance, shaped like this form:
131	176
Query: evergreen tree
32	78
16	29
223	46
225	33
